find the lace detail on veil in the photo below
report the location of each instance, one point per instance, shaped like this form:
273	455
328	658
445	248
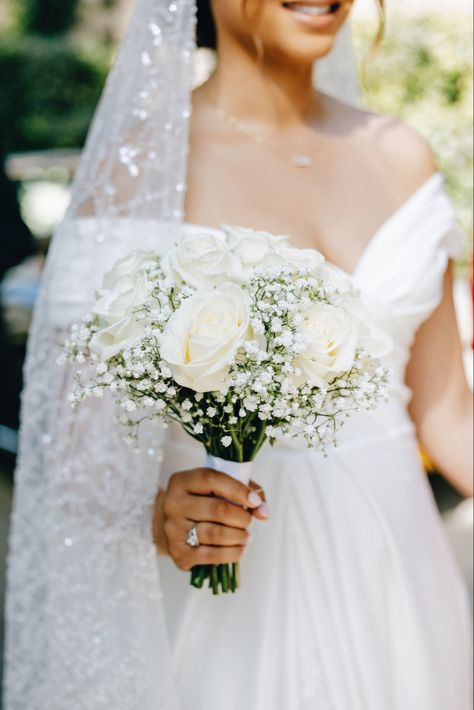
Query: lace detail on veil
82	581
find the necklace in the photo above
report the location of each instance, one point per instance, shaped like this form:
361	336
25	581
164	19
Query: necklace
295	160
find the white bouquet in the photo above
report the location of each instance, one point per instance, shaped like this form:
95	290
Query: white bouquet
239	338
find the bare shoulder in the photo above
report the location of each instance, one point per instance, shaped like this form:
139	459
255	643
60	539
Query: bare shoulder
401	150
394	150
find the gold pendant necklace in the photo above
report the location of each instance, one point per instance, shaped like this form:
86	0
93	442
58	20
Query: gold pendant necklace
296	160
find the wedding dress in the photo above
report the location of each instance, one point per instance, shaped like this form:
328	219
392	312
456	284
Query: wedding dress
350	599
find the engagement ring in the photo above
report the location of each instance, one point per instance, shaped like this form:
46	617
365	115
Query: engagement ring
192	539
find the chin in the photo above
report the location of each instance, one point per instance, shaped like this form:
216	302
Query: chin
302	31
304	51
295	32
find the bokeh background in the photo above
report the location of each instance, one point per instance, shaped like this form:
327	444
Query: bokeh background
54	57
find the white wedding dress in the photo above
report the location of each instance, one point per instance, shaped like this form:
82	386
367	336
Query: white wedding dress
350	598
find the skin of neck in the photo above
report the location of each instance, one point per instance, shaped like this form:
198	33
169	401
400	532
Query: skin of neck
264	89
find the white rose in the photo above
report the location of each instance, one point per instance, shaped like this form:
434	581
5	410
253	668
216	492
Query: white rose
129	292
111	340
127	286
134	261
300	258
200	260
335	277
374	341
253	248
333	341
201	338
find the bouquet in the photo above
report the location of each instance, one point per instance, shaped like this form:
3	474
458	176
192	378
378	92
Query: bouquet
239	338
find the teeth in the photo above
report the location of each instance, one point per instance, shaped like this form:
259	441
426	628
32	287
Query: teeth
313	10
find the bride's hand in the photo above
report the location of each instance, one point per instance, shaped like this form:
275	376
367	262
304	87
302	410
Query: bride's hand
195	497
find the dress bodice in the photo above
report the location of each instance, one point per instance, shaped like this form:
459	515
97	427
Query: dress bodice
401	271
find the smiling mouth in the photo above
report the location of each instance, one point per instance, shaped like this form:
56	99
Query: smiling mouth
312	10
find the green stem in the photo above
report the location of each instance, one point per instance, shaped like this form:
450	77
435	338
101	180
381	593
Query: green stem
260	441
238	446
225	578
198	575
234	580
214	579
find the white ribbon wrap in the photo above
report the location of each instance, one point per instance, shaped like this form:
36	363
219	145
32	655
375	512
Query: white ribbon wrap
240	471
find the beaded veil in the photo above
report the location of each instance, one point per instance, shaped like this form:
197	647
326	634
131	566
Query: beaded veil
83	578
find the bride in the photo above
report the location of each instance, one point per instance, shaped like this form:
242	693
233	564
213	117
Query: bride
350	598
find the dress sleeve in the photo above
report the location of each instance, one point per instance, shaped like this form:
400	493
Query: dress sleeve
408	259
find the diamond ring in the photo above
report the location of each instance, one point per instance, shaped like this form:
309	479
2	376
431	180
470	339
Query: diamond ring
193	539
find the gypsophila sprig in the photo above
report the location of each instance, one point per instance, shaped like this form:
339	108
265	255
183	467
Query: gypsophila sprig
237	337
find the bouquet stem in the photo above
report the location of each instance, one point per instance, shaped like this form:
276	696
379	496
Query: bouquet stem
222	578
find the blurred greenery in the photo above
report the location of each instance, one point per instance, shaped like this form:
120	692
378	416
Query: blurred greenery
49	91
47	17
422	73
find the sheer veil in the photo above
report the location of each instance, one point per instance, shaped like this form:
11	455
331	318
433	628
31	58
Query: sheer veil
83	581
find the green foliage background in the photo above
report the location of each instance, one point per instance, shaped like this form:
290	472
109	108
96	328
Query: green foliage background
48	92
48	17
423	74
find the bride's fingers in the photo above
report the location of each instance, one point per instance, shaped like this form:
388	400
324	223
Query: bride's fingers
263	510
208	533
220	535
257	488
217	555
214	510
187	557
206	481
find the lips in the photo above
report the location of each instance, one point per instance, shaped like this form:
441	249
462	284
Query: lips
312	9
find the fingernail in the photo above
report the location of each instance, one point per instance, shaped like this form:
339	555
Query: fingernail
254	500
264	510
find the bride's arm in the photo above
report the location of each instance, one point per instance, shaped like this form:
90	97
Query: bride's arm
441	406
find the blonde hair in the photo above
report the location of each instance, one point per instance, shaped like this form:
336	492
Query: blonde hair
381	28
